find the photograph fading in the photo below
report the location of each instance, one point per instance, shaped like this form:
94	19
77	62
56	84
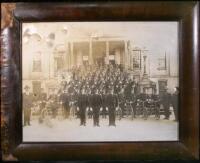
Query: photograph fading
100	81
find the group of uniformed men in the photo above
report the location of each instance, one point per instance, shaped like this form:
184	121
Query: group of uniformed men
102	89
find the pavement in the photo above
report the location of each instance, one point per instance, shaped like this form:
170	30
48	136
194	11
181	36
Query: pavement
69	130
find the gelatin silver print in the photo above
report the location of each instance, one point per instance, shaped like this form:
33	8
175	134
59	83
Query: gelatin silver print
100	81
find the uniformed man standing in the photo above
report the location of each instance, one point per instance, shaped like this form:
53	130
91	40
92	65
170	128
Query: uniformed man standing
165	101
27	104
104	107
121	102
90	112
82	104
111	101
96	103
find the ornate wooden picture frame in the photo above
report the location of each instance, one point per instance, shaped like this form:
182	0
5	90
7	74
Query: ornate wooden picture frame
186	13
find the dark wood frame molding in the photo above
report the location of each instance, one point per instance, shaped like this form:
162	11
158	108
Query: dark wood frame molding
186	13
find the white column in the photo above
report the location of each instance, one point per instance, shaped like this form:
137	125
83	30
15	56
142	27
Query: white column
129	56
107	52
125	54
117	56
79	58
131	60
90	53
51	64
69	56
72	53
65	59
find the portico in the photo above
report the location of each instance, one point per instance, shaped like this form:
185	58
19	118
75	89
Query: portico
100	52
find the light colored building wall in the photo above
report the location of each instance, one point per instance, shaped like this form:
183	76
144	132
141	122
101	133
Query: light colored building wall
123	56
172	82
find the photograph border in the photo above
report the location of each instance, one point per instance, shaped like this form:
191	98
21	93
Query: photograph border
186	13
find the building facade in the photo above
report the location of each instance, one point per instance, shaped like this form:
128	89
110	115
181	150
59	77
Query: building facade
45	62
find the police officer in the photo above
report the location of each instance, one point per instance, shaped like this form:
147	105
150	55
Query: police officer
111	101
96	103
27	104
90	111
165	101
82	104
104	111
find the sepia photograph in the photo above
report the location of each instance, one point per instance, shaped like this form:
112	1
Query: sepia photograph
100	81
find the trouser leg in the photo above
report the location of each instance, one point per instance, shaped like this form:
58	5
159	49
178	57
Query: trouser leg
84	118
94	120
113	119
175	113
28	116
97	120
166	111
110	119
25	117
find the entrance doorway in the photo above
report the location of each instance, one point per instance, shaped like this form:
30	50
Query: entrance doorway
112	62
85	63
162	84
100	61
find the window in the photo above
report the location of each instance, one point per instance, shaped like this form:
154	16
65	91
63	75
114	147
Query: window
136	63
136	59
37	65
59	52
162	86
162	63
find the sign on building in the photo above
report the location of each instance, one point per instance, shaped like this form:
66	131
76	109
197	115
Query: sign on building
85	58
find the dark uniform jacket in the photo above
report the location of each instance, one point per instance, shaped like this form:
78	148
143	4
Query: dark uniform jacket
103	98
65	98
174	100
82	101
96	101
111	101
165	99
27	101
